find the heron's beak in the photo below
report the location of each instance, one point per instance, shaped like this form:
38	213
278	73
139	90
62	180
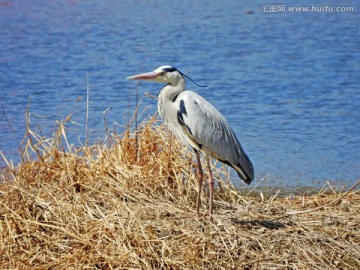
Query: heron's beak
144	76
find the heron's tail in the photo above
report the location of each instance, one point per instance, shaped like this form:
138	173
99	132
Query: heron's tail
245	169
247	180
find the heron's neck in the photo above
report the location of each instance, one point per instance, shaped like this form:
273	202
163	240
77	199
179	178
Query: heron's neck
170	92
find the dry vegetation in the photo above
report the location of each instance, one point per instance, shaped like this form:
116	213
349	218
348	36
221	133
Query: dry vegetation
131	206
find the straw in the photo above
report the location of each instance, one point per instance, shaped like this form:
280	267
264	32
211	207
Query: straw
132	206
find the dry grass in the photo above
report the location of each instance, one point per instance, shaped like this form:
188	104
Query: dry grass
132	206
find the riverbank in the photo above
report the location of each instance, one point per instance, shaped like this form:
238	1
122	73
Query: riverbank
129	203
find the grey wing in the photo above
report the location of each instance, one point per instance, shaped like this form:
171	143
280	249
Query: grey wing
210	130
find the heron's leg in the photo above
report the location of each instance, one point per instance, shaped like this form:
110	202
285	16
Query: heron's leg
211	187
200	179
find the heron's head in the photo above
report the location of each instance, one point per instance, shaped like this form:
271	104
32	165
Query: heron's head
164	74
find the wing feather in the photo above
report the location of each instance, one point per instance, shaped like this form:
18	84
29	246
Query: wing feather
208	128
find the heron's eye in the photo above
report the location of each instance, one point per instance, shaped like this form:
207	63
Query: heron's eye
162	73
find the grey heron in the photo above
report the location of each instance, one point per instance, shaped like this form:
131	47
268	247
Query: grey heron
199	125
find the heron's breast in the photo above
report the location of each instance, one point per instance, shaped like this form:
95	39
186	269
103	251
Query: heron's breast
160	108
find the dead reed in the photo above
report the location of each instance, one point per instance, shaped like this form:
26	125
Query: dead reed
131	206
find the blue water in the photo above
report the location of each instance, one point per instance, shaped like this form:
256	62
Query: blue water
288	83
